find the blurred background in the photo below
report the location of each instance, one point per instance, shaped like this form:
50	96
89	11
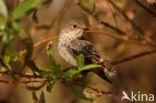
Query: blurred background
118	29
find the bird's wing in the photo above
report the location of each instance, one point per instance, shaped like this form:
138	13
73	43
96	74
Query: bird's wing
107	72
91	56
86	48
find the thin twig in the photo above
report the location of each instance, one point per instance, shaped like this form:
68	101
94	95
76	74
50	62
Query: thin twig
6	81
22	81
42	42
31	81
124	38
21	74
136	56
119	31
114	17
125	16
139	38
145	8
119	37
45	41
112	27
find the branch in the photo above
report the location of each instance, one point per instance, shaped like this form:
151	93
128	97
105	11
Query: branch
112	27
145	8
21	74
116	62
125	16
125	38
119	37
139	39
45	41
119	31
22	81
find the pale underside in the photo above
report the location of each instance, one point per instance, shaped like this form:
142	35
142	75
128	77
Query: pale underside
77	47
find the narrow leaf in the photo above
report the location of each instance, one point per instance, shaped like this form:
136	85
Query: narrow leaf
80	60
89	67
3	9
3	64
71	73
2	23
23	8
50	57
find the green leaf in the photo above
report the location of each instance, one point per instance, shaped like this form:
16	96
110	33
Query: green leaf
7	60
80	60
89	67
55	68
2	23
2	63
15	27
42	98
119	3
11	52
24	8
7	37
50	57
3	9
11	30
88	5
71	73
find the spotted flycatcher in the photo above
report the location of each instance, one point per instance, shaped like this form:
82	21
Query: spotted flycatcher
71	45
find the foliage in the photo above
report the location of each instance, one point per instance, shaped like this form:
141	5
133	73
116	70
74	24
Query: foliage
57	73
15	61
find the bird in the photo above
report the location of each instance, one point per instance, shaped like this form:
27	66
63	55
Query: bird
71	44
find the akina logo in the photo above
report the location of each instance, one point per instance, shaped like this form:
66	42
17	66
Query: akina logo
137	96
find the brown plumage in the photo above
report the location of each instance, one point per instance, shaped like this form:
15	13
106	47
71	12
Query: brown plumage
71	45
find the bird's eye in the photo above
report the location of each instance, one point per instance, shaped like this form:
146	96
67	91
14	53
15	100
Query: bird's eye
74	26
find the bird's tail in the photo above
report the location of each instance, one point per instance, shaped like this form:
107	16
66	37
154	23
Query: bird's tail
111	74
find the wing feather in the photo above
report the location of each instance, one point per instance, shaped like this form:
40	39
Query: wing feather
91	56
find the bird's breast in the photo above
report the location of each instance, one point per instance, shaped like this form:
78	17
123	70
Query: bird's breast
65	53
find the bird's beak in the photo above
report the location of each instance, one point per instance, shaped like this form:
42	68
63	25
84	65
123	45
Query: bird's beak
86	28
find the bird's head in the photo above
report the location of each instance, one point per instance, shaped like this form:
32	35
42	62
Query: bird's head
73	30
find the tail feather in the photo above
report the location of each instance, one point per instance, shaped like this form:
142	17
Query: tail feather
101	74
111	74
